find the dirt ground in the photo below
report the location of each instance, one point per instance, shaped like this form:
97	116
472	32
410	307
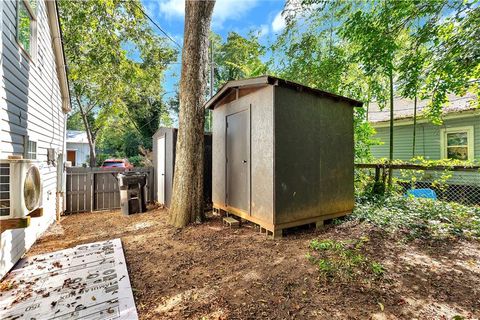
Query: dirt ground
210	272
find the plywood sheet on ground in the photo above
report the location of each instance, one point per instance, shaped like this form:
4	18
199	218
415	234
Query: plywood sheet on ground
85	282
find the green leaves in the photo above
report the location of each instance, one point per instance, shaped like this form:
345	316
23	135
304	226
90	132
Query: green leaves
114	57
421	218
116	64
344	261
429	49
238	57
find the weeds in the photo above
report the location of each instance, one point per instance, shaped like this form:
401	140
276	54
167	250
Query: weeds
377	268
420	218
343	260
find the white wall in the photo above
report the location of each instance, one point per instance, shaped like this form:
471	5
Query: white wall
30	104
83	152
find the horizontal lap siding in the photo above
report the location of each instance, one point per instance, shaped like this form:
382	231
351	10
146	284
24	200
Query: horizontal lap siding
427	139
465	122
30	105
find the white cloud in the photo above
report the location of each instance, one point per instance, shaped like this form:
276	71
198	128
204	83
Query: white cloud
278	23
172	8
264	30
290	11
231	10
224	9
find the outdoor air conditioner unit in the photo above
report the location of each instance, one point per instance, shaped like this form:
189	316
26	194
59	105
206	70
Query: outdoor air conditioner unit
20	188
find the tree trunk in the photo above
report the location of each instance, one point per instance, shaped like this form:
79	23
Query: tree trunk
88	130
390	171
414	125
187	195
91	141
93	152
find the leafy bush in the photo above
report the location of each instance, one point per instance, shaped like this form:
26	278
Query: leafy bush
137	161
344	260
101	157
420	218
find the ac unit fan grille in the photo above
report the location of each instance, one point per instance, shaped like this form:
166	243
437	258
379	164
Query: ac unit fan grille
4	189
31	188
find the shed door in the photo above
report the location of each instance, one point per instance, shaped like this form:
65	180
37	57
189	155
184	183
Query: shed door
238	158
72	157
161	170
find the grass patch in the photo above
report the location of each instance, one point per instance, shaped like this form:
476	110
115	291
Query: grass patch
344	261
420	218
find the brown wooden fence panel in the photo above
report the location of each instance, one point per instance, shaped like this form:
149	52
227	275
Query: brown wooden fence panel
105	191
94	189
78	190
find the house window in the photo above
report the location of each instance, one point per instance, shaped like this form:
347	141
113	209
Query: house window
26	25
30	149
457	143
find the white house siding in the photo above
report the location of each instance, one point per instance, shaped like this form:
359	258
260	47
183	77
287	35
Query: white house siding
82	152
30	105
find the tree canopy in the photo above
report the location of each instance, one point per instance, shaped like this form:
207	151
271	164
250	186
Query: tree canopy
375	50
238	57
431	47
116	62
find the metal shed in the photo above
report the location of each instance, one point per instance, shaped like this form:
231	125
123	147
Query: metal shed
283	153
164	146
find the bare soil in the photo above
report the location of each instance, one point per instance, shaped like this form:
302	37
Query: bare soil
208	271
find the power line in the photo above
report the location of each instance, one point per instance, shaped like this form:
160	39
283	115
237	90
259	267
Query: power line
156	25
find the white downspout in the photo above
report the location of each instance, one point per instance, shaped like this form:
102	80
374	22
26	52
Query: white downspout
61	70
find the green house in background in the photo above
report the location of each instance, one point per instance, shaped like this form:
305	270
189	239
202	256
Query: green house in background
457	138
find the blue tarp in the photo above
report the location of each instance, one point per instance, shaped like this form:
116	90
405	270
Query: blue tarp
422	193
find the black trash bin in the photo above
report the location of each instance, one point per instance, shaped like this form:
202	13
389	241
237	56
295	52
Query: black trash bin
132	192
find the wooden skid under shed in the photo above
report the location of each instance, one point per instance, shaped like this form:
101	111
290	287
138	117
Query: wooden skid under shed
276	231
231	222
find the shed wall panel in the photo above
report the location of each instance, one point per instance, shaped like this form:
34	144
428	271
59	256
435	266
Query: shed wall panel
170	145
313	156
260	103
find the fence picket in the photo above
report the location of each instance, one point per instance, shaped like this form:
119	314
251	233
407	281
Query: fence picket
94	189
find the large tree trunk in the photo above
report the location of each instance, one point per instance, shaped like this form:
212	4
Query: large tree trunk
187	195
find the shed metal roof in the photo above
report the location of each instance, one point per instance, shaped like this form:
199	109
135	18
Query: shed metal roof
269	80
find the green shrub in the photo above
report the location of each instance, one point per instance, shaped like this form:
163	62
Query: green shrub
343	260
137	161
419	217
102	157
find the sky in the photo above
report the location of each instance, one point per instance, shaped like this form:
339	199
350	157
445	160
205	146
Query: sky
240	16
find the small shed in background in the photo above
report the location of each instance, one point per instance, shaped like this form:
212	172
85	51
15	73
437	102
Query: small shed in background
164	147
78	150
283	153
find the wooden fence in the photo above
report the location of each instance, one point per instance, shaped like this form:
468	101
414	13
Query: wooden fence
96	189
